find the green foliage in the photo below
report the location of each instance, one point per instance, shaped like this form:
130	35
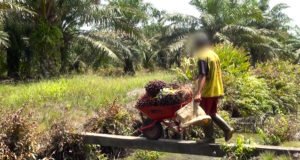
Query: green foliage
188	70
9	7
239	151
249	95
111	71
234	61
269	139
145	155
278	129
243	92
72	97
249	26
283	79
45	41
134	33
272	156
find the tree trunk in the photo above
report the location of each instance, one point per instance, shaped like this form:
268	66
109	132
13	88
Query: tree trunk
64	60
128	67
13	62
26	71
297	61
64	53
163	59
178	58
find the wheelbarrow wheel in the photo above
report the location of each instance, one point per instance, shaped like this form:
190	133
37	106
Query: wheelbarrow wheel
154	132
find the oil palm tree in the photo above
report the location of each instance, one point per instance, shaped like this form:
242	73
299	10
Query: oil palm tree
58	23
121	33
5	8
232	22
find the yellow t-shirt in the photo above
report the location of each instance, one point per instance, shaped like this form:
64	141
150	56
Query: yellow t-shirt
214	85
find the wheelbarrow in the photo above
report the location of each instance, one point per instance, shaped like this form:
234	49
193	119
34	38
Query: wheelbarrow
154	117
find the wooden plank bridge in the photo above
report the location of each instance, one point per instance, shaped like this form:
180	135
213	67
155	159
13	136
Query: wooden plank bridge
176	146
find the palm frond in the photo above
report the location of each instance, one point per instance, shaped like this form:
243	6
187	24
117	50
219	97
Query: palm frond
4	41
10	6
99	45
221	38
235	29
265	51
208	20
180	20
114	39
177	45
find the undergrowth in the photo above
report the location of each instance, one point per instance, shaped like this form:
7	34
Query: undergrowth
114	120
74	97
17	136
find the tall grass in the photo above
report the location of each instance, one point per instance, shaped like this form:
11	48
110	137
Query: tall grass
72	97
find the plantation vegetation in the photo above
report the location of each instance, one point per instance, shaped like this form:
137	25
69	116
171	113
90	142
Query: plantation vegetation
72	65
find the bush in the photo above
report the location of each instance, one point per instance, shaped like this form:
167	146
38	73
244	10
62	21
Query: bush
113	120
188	70
283	79
63	145
278	129
145	155
247	96
244	94
17	140
234	61
239	151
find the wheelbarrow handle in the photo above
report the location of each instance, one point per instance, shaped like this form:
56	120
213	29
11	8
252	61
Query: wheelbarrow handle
195	106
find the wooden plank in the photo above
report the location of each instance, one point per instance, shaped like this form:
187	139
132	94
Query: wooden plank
175	146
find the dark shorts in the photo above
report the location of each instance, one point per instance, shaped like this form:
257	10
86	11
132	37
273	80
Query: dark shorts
209	105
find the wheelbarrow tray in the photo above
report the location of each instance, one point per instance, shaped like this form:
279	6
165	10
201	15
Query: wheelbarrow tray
159	113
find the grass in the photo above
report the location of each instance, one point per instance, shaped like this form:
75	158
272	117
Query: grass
255	138
74	97
291	144
272	156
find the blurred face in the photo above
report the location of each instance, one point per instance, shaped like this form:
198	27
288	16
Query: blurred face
201	45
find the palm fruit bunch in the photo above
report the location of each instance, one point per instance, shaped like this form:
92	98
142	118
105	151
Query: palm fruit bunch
159	93
154	87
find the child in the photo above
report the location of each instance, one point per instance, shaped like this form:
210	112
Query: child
209	87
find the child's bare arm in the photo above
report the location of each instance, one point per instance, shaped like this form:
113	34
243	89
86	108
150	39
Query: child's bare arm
200	86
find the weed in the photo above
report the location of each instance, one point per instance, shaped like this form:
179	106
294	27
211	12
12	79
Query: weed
114	120
145	155
74	97
60	144
239	151
17	139
278	129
